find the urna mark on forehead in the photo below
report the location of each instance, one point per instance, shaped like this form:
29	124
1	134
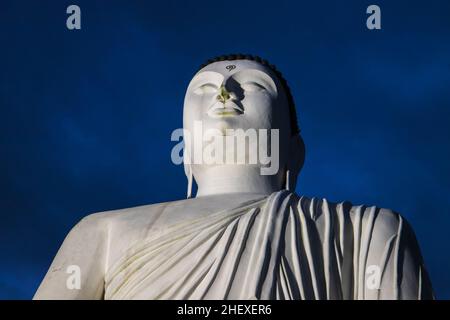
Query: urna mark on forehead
221	70
233	66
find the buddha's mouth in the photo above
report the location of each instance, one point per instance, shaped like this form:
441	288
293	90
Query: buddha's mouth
225	112
219	110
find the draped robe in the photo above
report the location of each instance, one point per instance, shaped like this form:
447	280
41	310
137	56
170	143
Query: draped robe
277	247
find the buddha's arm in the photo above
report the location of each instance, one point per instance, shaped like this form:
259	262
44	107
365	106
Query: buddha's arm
78	270
414	282
404	275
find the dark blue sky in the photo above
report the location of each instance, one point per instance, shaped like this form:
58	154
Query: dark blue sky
86	116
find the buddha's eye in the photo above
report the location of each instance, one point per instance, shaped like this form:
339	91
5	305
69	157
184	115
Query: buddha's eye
206	88
252	86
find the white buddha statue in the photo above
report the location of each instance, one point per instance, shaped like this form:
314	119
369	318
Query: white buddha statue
245	235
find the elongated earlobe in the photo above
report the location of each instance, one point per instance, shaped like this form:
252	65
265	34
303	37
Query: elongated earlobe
288	174
189	186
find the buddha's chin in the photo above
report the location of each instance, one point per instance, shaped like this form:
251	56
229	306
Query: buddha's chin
224	125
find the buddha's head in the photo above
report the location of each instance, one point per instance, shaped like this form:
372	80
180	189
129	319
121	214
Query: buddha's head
244	92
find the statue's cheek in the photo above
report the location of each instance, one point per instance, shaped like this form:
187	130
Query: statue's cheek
258	103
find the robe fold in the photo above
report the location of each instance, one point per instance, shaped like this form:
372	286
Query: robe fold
278	247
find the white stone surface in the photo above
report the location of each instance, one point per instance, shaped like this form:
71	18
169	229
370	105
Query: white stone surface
243	236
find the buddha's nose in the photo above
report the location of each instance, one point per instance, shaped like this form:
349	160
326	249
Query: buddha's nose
223	95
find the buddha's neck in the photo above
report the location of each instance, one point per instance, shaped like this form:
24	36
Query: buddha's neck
235	179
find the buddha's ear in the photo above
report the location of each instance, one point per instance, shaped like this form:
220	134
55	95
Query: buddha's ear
188	172
296	159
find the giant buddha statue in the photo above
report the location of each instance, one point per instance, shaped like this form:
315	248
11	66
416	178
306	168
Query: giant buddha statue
245	234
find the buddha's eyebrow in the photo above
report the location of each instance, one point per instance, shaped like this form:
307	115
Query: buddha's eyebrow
251	72
202	77
262	76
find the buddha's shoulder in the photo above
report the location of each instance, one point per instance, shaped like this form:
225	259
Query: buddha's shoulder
165	213
383	221
129	216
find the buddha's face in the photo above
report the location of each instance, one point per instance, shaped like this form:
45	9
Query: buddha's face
239	94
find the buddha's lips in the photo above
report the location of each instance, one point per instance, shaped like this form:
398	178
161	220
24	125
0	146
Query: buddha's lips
227	110
224	112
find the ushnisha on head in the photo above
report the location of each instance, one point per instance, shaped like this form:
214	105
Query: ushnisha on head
242	92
